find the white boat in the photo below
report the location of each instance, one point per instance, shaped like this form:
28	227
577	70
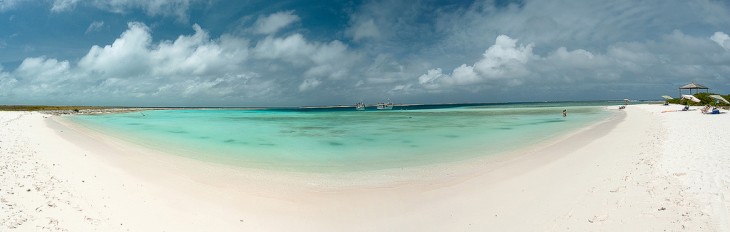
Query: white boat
360	106
385	106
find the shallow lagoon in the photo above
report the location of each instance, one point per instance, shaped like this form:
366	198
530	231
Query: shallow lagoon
342	139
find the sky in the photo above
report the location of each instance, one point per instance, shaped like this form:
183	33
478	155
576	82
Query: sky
329	52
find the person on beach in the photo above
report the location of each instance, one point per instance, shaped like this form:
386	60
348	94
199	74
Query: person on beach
565	112
705	109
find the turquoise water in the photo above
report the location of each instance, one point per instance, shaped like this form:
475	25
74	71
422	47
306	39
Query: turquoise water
343	139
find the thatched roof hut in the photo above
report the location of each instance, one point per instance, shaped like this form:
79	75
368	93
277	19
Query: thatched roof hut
693	86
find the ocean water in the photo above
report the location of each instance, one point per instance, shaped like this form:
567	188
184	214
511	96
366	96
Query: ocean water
342	139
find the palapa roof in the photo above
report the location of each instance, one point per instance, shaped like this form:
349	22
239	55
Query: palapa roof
693	86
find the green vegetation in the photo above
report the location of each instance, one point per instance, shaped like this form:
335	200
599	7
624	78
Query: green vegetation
42	108
705	99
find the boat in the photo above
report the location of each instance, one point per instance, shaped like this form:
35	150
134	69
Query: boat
360	106
385	106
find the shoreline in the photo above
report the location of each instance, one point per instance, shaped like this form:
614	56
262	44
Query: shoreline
420	173
446	153
597	178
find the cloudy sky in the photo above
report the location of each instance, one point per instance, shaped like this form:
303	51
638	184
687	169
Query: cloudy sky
292	53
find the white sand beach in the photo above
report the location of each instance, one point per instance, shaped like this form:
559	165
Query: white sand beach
644	170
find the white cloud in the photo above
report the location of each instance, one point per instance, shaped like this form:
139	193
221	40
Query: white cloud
63	5
675	58
199	55
40	69
431	78
134	54
178	8
721	39
364	30
195	66
43	76
127	56
332	60
94	26
133	66
7	83
224	86
504	60
578	59
275	22
293	48
175	8
401	89
9	4
426	50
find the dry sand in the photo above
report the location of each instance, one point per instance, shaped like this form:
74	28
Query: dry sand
641	171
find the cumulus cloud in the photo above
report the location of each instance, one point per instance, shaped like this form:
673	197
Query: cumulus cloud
195	54
199	55
275	22
675	59
644	46
422	51
721	39
41	76
432	78
42	69
293	48
127	56
505	60
332	60
135	66
195	66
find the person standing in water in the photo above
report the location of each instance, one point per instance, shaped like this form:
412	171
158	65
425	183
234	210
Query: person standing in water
565	112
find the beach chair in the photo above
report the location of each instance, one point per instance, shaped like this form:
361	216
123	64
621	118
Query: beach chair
705	110
713	111
686	108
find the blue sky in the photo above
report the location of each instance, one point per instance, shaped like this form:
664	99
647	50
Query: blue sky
291	53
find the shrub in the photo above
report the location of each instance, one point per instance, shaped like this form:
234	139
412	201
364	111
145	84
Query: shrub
705	99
